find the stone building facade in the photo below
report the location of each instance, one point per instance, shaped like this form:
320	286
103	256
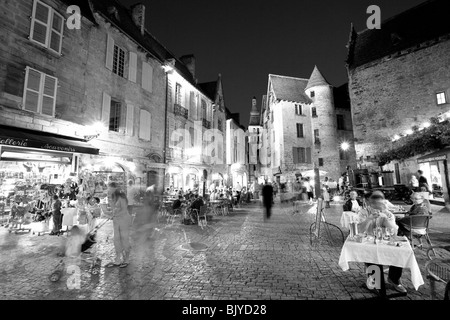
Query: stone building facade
300	129
107	83
195	129
399	78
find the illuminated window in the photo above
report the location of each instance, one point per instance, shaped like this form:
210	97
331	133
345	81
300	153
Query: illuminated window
441	98
115	115
46	27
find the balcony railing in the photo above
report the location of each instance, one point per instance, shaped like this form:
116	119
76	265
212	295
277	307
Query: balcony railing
180	111
207	124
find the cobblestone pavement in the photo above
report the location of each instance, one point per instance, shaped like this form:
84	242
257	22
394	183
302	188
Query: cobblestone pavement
245	258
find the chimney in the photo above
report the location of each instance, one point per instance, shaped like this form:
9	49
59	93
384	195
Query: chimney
189	61
138	15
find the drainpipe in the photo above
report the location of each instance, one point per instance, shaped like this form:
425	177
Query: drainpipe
165	129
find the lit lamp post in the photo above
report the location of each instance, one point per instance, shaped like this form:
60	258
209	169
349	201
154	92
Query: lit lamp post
345	146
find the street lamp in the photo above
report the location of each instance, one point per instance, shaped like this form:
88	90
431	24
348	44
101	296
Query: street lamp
345	146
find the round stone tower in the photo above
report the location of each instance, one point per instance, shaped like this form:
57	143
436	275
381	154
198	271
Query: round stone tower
325	144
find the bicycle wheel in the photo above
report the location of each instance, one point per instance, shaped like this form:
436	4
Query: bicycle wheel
331	235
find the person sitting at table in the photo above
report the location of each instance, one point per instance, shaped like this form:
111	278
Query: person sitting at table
177	203
376	214
419	207
194	208
353	204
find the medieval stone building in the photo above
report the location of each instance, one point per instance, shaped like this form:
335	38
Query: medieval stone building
399	78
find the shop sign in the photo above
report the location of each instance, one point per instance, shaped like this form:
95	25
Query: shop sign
35	144
437	158
14	142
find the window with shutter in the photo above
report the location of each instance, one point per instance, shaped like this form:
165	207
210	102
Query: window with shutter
300	130
114	116
39	92
46	26
145	125
301	155
118	66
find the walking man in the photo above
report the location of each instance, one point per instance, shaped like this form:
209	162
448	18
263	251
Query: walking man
267	193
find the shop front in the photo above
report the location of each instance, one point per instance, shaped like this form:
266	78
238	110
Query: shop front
435	169
34	165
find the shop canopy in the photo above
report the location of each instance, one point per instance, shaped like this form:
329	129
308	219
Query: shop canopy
435	156
11	137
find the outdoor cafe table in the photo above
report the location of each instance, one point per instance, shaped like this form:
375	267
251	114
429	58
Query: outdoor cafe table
382	254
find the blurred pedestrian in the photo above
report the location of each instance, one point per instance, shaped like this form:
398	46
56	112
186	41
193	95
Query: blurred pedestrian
57	217
121	224
267	193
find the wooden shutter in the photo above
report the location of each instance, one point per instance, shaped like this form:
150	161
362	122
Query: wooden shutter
147	76
295	154
106	108
40	23
32	90
308	155
145	121
123	118
130	120
56	32
49	95
109	52
132	69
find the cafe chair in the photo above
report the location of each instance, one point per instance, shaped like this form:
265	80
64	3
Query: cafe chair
174	214
438	270
419	228
201	217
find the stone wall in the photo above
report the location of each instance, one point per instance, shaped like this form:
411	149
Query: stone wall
393	94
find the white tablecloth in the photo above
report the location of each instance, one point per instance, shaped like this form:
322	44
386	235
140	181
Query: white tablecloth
382	254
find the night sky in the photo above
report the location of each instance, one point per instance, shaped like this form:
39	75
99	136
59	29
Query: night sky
245	40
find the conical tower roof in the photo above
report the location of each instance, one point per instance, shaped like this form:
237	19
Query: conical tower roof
316	79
